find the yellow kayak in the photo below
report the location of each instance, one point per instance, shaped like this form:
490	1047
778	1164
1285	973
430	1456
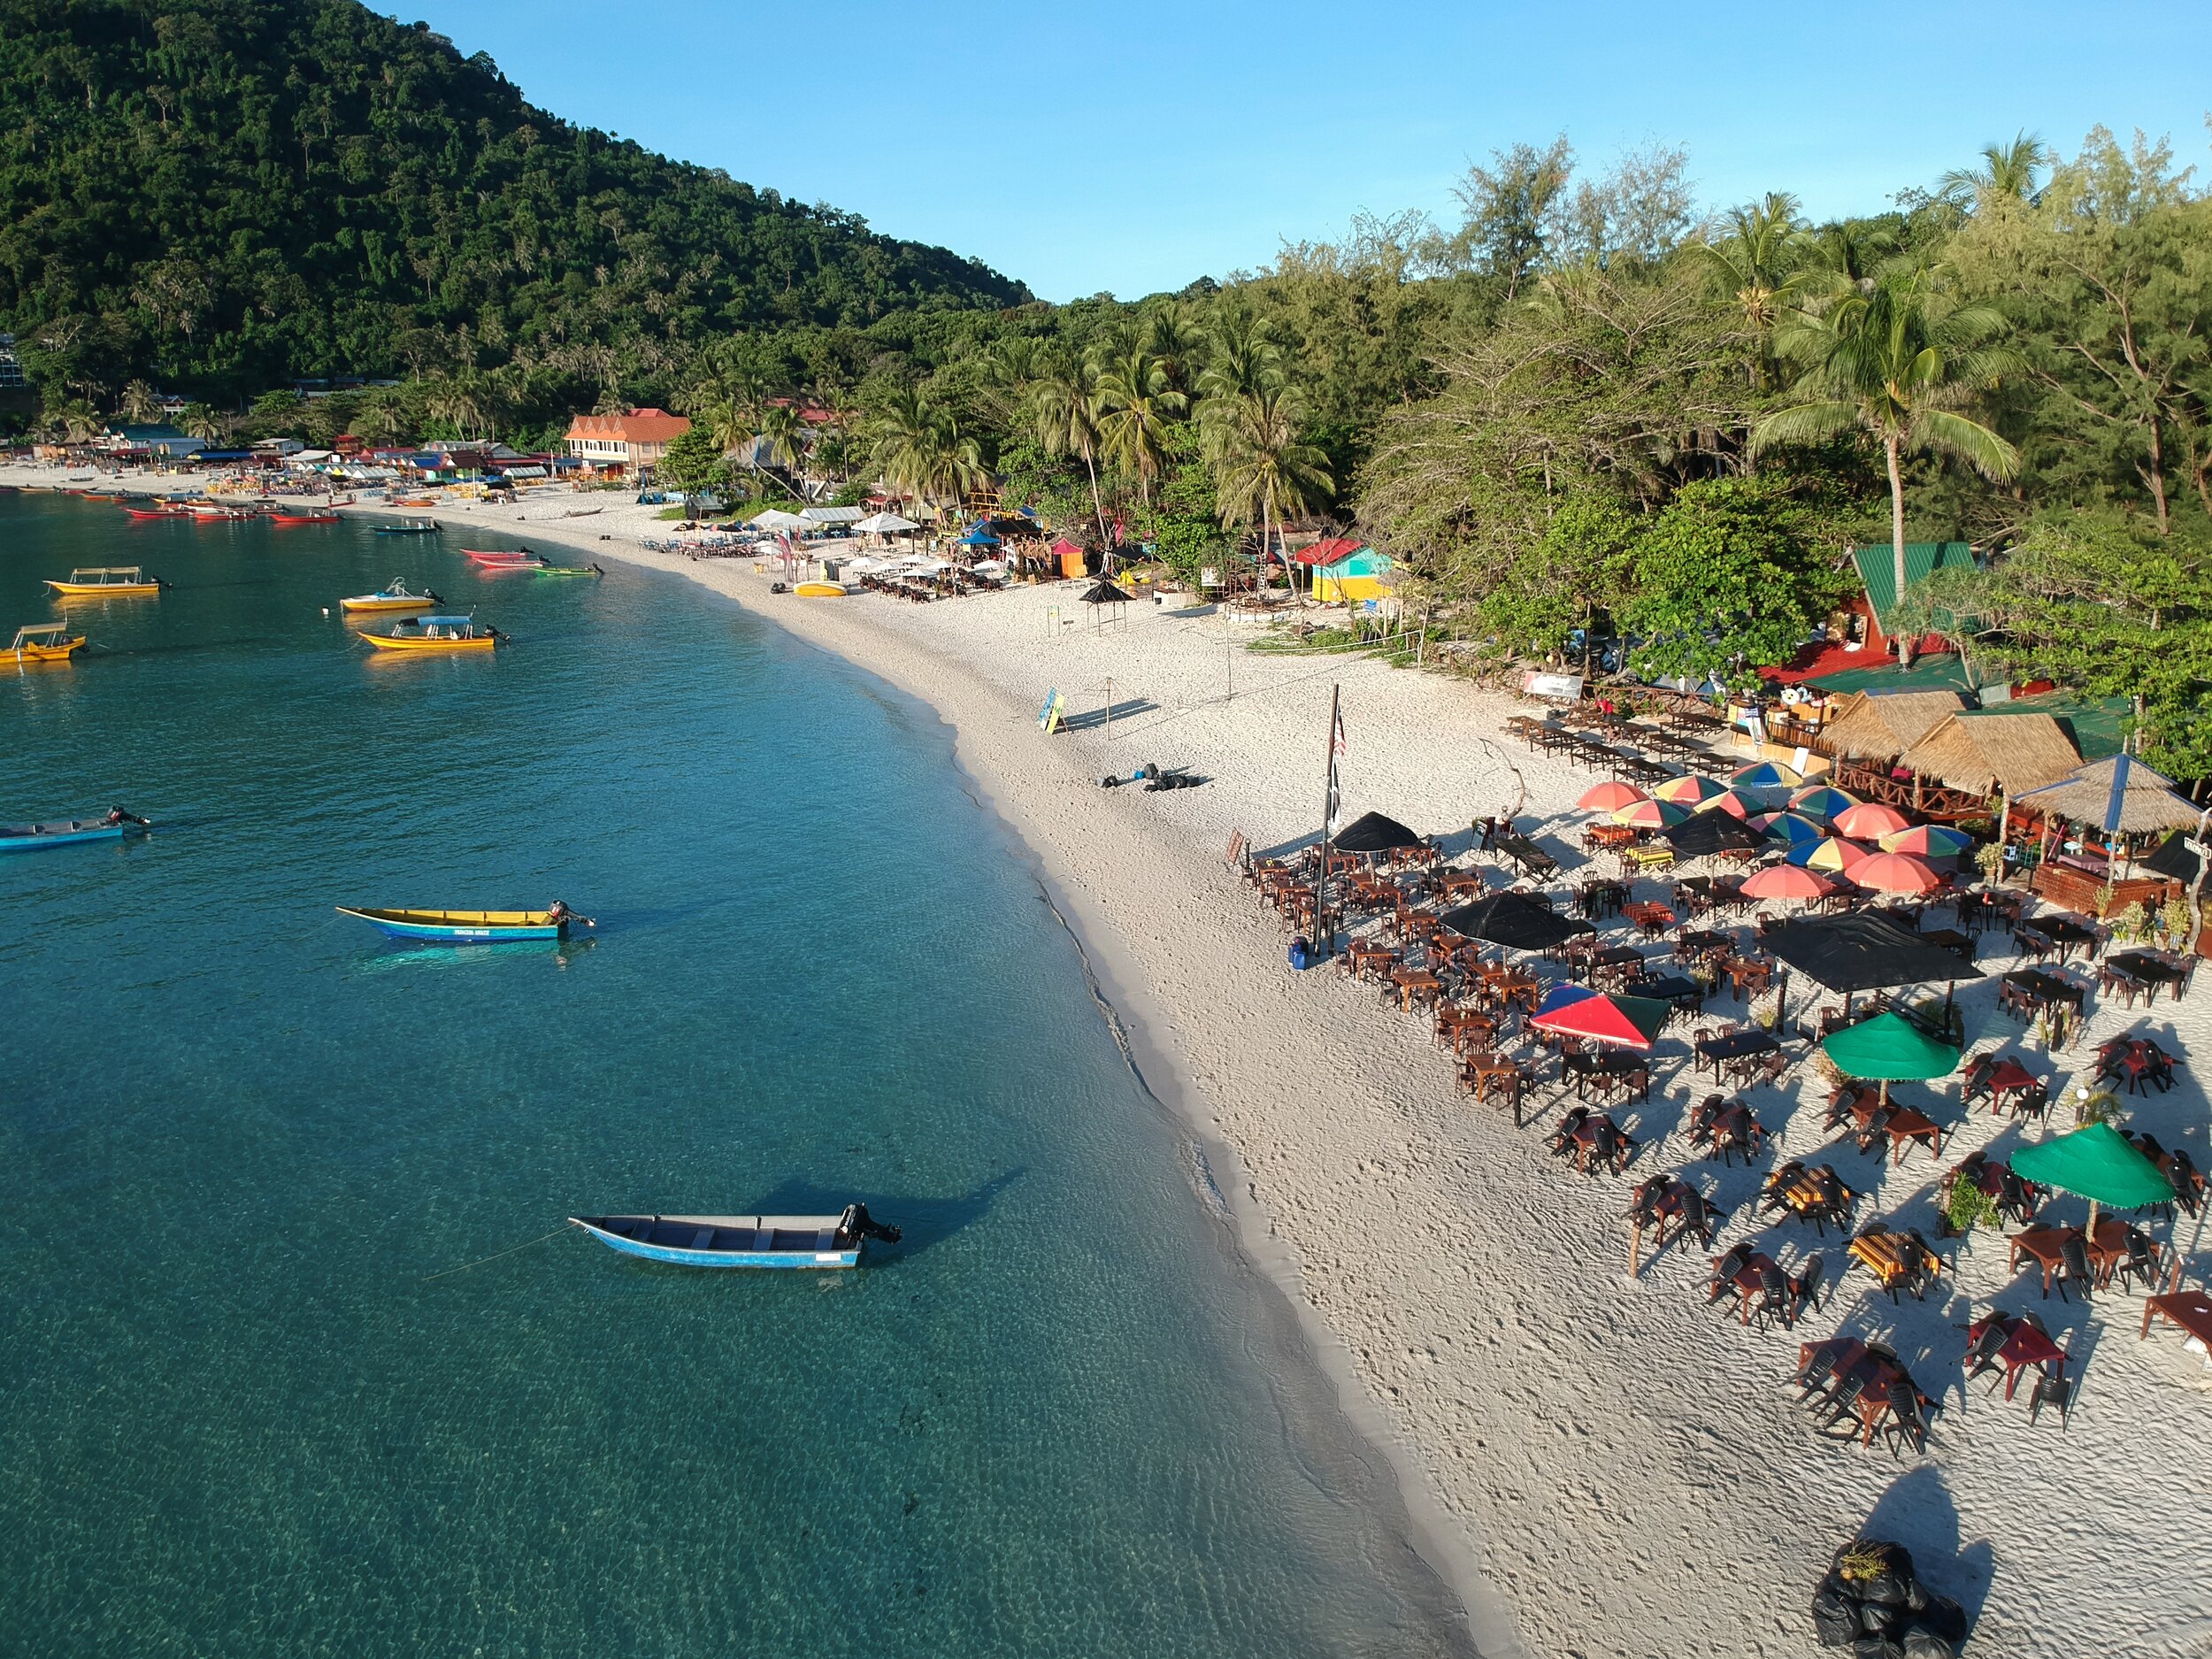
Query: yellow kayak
435	633
106	582
45	642
820	590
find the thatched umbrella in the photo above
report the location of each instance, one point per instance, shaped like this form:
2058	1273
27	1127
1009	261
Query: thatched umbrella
2146	799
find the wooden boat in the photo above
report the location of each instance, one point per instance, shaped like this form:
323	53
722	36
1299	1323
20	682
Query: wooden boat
741	1240
107	581
820	590
154	512
501	556
473	927
393	598
277	517
23	838
494	567
45	642
408	529
570	569
436	634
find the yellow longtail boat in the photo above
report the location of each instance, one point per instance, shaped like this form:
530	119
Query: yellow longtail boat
45	642
106	582
436	634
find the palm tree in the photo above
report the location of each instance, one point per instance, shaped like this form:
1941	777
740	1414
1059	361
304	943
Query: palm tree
1243	357
1756	260
138	405
1063	403
783	434
2007	170
1174	339
918	445
203	423
1261	468
1897	363
1136	400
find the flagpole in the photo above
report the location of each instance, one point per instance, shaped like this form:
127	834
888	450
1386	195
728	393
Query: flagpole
1324	940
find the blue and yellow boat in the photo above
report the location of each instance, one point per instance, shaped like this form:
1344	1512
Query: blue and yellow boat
472	926
24	838
741	1240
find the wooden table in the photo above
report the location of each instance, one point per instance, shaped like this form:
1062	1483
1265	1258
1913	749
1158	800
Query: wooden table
1413	981
1360	956
1607	1071
1740	1045
1895	1259
2150	972
2191	1310
2046	1245
1746	1281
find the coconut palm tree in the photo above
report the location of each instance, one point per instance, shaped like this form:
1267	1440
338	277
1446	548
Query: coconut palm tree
2007	170
1756	258
1136	400
203	423
1262	470
1243	356
1064	407
138	405
918	445
783	435
1898	363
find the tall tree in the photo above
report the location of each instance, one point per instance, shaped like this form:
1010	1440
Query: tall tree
2008	170
1758	251
1262	469
1137	401
1063	409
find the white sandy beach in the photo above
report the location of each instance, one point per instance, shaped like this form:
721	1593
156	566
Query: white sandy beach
1605	1466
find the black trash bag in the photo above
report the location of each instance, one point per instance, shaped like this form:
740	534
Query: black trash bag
1835	1615
1876	1648
1921	1643
1945	1617
1878	1619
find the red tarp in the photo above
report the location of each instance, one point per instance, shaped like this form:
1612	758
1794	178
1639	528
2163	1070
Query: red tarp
1327	551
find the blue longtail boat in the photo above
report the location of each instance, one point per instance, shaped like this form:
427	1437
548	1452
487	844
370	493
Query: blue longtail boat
472	926
741	1240
23	838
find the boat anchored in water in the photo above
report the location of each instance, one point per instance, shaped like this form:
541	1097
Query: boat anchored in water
741	1240
425	527
436	634
23	838
277	515
394	597
504	558
107	581
472	926
44	642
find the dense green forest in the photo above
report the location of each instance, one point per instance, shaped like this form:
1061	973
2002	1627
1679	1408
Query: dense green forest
1587	403
220	195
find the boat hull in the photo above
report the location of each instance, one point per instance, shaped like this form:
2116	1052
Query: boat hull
101	590
47	653
662	1241
402	643
460	927
820	590
389	602
25	838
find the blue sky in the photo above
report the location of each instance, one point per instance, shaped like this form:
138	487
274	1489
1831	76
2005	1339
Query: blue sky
1132	148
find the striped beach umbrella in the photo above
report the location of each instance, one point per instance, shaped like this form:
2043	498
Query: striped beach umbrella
1735	802
1766	774
1786	881
1691	791
1896	872
1792	827
1929	841
1610	796
1820	801
1871	820
1651	814
1833	853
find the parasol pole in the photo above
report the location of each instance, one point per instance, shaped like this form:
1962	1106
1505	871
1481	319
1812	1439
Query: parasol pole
1325	938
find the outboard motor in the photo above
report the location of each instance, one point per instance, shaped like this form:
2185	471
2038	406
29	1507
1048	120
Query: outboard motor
857	1222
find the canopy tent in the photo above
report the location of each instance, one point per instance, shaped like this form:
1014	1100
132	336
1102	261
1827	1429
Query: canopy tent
1862	953
1074	560
777	520
2146	799
1610	796
885	524
1576	1010
1884	727
1889	1049
1984	754
1709	833
1105	593
1373	833
831	515
2096	1163
979	536
1515	921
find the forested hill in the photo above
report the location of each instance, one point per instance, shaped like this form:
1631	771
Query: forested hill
220	193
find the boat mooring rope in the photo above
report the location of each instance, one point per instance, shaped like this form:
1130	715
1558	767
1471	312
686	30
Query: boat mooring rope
509	1250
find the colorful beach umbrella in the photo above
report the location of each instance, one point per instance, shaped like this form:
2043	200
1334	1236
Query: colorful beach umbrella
1871	820
1896	872
1928	841
1889	1049
2096	1163
1610	796
1651	814
1732	801
1786	881
1835	853
1766	774
1792	828
1690	791
1820	801
1576	1010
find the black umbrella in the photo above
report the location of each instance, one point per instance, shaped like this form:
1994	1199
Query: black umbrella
1703	834
1514	921
1104	593
1373	833
2176	858
1862	953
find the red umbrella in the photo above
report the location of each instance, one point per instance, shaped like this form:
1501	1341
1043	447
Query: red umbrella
1896	872
1610	796
1576	1010
1786	881
1869	821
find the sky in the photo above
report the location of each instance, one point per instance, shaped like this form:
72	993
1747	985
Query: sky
1135	148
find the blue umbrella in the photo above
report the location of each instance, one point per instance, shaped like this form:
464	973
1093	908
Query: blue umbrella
1792	828
1820	801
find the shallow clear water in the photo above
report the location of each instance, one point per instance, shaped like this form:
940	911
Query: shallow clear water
239	1135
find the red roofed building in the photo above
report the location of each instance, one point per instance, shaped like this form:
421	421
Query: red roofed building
625	441
1328	550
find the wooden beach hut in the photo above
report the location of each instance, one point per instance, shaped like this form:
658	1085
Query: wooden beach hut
2147	806
1986	755
1870	735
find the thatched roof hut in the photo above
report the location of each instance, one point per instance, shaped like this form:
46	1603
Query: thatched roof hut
2084	796
1883	728
1987	754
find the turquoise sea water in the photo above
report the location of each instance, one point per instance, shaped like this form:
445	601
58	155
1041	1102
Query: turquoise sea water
240	1133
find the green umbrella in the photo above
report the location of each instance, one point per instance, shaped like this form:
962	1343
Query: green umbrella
1889	1047
2097	1163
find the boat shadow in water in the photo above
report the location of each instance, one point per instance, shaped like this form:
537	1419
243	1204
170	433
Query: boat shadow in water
562	951
922	1222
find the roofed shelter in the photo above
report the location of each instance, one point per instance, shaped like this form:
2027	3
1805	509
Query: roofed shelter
1989	754
1355	575
1883	728
1877	580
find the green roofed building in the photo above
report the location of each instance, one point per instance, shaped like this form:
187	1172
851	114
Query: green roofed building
1878	575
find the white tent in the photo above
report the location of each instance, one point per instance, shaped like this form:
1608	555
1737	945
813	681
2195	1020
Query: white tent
829	515
885	524
775	518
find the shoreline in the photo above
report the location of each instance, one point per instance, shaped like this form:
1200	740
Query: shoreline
1592	1461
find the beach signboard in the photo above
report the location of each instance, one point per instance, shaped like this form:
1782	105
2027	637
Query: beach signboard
1049	717
1561	687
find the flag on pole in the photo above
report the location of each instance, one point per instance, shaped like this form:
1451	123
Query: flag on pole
1336	747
